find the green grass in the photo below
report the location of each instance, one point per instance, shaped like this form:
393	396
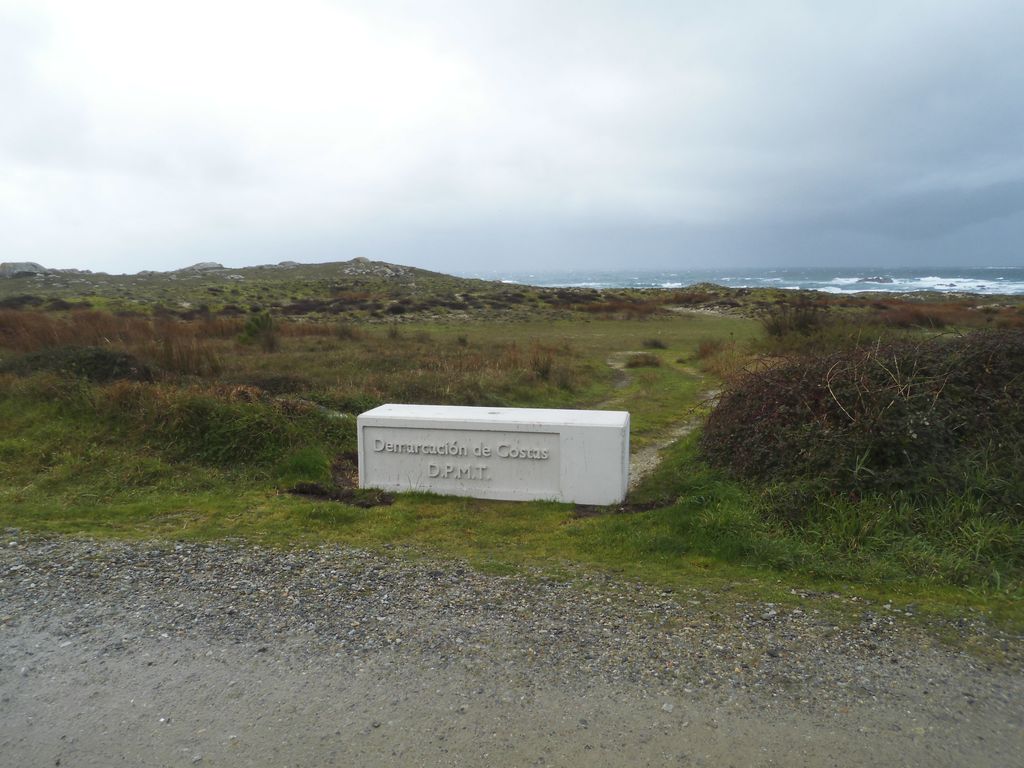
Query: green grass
78	478
190	457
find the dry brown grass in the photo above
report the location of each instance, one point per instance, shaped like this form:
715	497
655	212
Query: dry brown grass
31	331
181	346
709	346
724	359
188	355
947	315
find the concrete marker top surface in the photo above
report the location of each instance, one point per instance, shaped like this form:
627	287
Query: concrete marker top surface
469	414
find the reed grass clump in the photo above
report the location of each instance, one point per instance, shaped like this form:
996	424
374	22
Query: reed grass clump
787	318
260	329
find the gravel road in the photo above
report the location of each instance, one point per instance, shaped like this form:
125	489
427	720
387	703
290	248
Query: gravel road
158	654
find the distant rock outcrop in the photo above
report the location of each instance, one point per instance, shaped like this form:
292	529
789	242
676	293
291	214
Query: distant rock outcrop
21	269
202	266
361	265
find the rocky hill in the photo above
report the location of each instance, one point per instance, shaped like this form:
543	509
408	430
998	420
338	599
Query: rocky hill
21	269
358	288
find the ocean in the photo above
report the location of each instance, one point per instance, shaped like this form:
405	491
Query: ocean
983	280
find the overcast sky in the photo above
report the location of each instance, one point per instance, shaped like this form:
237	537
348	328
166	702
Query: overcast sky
485	135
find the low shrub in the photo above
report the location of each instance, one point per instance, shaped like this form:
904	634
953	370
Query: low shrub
643	360
784	319
931	315
724	359
709	346
91	363
21	302
230	427
260	329
939	416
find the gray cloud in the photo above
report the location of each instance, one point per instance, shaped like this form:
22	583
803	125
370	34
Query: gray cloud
470	134
933	213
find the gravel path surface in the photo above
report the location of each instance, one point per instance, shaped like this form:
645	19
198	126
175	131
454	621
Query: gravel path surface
153	654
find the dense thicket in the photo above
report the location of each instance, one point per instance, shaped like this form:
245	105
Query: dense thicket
921	417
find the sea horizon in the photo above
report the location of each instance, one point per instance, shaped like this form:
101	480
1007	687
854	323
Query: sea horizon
841	280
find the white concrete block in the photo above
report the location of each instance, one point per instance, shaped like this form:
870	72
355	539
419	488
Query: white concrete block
496	453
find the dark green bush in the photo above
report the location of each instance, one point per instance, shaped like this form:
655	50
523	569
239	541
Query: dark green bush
260	329
926	419
21	302
92	363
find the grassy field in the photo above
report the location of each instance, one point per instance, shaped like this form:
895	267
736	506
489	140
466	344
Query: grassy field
205	422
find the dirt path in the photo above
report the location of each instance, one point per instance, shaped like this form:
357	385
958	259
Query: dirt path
646	460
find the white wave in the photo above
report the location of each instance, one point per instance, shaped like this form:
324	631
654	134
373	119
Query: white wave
956	280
